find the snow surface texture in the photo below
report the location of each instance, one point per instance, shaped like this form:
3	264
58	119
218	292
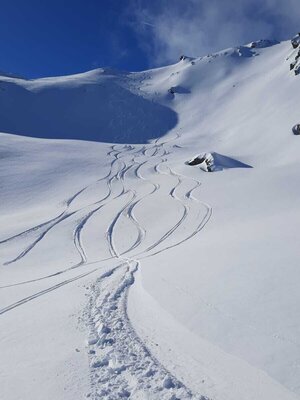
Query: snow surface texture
127	273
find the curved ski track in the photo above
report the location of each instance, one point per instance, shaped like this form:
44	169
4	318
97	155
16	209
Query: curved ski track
121	366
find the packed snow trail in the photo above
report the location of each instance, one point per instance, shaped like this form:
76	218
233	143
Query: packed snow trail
121	365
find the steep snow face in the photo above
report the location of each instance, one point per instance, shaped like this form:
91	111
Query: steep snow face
100	105
227	101
185	282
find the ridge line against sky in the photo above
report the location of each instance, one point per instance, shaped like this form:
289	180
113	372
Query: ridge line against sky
43	38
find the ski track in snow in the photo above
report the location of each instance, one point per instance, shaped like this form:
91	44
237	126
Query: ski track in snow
121	365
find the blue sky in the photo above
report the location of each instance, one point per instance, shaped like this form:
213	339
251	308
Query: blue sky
44	38
39	38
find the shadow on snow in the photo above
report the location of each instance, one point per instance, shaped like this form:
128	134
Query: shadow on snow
223	162
96	111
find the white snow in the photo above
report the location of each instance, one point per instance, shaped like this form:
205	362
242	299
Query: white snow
125	272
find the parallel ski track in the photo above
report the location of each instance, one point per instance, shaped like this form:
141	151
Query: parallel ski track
124	358
112	334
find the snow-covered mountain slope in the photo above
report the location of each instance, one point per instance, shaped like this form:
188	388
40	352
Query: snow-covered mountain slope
101	105
125	272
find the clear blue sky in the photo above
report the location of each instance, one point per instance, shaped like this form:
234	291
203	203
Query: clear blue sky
52	37
42	38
